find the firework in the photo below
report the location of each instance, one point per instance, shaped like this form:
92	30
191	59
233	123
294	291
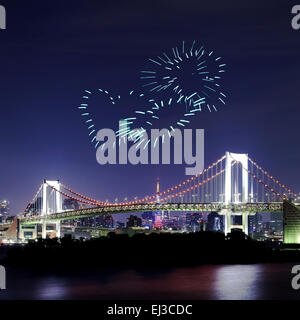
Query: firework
186	79
190	74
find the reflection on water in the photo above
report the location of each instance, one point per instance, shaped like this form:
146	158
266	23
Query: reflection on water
257	281
238	282
52	288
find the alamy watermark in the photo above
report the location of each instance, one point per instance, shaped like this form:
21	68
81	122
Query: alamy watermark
296	279
2	278
147	148
296	19
2	17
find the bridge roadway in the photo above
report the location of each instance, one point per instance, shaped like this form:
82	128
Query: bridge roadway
4	226
171	207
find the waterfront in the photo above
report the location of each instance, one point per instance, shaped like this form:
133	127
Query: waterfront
207	282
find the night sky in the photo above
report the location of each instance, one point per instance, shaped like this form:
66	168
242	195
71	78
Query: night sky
53	50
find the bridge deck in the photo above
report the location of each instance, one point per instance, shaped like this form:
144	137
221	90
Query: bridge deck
171	207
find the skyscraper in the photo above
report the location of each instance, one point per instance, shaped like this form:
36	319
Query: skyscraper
253	225
215	222
4	208
193	221
277	222
133	221
158	214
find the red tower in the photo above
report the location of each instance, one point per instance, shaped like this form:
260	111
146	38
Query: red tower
158	217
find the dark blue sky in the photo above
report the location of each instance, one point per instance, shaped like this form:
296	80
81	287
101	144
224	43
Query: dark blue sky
52	50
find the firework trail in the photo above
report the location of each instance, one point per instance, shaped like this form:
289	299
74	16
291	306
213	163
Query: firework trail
188	77
190	74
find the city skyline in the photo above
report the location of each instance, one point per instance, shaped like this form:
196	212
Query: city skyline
50	61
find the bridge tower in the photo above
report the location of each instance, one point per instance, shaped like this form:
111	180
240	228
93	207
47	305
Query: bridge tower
231	197
47	201
158	215
51	203
51	198
157	191
241	158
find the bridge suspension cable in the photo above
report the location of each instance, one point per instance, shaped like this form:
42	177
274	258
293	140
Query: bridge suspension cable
178	186
178	194
77	199
82	196
26	211
205	187
146	199
264	184
289	191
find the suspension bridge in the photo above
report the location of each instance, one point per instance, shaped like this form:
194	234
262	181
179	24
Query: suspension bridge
233	185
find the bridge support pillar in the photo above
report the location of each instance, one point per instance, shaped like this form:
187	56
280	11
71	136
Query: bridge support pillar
44	229
228	223
245	222
58	230
27	232
243	160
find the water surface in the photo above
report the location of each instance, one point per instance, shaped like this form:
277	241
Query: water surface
225	282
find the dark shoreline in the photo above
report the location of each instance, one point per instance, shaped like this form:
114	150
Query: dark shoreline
145	251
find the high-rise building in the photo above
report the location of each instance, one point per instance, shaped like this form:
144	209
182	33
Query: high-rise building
148	219
193	221
158	215
133	221
215	222
4	208
277	222
105	221
158	221
264	225
148	215
252	225
291	223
